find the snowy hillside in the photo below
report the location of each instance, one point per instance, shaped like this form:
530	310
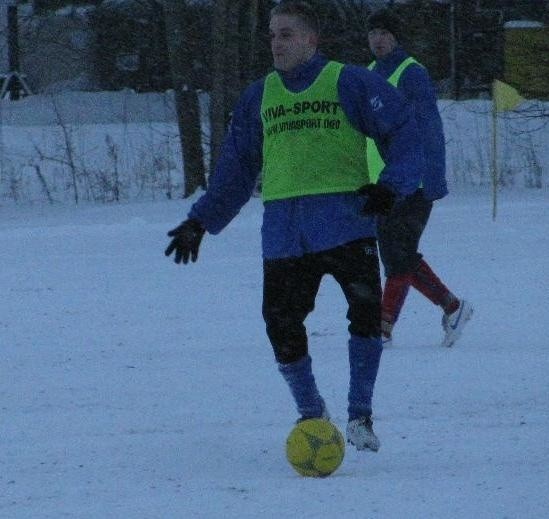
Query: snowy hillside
134	388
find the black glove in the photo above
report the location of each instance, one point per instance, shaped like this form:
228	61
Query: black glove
380	199
186	241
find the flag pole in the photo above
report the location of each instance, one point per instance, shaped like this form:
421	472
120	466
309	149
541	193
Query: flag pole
504	98
494	160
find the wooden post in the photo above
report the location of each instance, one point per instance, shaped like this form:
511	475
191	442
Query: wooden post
13	50
495	175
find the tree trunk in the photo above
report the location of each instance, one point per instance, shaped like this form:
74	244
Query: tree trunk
248	37
234	35
218	114
179	34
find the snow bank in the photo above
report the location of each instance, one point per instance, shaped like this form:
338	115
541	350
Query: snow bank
106	146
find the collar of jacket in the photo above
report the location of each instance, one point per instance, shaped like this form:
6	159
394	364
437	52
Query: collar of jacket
303	75
386	66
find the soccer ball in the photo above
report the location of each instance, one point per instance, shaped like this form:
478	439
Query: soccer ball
315	448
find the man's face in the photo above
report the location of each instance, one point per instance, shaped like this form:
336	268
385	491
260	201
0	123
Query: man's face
291	43
381	42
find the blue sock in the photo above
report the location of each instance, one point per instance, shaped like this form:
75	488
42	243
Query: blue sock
364	357
301	381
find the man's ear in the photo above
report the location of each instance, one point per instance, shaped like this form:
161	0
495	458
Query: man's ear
313	39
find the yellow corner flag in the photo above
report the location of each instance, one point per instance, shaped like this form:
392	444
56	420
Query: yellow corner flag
505	96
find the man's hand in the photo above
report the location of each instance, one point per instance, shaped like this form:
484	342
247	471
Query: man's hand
186	241
380	199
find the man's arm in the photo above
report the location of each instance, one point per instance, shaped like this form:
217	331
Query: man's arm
233	180
418	89
378	110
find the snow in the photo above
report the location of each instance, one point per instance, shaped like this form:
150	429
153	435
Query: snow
134	388
131	140
522	24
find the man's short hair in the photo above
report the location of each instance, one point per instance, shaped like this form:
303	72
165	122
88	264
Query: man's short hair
302	10
386	19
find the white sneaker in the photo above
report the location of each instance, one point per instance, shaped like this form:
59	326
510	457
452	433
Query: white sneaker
454	323
361	434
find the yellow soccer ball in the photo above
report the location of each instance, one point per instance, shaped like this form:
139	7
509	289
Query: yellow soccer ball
315	448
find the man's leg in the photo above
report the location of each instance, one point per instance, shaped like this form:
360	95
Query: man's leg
289	290
394	294
428	283
457	312
399	235
355	267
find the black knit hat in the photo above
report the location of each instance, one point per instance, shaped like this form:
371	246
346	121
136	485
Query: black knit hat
385	19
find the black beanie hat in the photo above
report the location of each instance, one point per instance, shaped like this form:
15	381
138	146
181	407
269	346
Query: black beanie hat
385	19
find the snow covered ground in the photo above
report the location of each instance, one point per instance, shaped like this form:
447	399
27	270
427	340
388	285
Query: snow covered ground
134	388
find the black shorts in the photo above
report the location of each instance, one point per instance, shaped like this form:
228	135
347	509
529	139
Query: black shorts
399	234
290	286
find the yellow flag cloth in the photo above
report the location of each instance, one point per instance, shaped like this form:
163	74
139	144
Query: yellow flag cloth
505	96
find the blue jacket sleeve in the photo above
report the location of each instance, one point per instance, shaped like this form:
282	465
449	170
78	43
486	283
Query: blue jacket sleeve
233	180
378	110
417	87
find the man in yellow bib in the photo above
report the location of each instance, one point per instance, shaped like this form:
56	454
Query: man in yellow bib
400	231
304	128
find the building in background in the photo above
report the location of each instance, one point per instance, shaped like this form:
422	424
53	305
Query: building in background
526	66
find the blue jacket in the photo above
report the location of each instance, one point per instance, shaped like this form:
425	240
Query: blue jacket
309	224
417	87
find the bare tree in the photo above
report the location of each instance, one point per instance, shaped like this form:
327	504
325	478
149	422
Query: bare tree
218	102
180	34
234	51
